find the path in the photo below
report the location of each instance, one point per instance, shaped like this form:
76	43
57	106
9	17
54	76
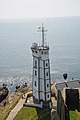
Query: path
17	108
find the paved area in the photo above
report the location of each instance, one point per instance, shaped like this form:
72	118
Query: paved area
54	115
17	108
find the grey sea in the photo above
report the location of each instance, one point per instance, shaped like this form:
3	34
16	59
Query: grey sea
16	38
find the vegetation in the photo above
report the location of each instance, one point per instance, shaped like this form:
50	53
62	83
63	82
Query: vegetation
29	113
4	111
74	115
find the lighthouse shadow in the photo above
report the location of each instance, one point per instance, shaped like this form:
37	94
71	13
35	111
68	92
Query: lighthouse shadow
43	114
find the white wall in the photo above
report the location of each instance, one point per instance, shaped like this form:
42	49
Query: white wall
35	78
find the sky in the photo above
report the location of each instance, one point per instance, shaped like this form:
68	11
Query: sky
21	9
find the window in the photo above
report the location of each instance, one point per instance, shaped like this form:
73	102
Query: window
35	83
35	51
46	64
35	73
35	64
42	52
47	74
47	85
45	53
47	96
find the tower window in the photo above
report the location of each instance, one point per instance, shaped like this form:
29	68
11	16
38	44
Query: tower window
42	52
35	64
47	85
35	83
46	64
47	74
47	96
35	51
45	53
35	73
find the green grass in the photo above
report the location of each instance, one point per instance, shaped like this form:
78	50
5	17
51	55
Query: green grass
29	113
74	115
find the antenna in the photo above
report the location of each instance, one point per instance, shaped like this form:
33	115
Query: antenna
42	30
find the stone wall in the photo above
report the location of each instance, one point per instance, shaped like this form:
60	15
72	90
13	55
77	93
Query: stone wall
60	106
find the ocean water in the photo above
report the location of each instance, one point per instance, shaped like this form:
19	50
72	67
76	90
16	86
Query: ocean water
16	38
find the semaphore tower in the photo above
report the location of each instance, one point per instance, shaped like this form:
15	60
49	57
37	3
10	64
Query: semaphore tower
41	82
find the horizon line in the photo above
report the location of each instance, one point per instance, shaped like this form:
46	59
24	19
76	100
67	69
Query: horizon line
37	17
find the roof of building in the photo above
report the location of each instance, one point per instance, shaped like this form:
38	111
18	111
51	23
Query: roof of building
69	84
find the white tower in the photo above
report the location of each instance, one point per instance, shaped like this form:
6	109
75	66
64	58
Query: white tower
41	83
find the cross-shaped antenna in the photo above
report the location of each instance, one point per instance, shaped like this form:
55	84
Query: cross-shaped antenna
42	30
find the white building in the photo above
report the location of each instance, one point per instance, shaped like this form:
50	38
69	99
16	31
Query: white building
41	83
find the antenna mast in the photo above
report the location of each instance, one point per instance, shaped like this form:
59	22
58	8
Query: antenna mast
42	35
42	30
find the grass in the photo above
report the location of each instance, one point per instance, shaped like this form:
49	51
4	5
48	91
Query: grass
4	111
74	115
29	113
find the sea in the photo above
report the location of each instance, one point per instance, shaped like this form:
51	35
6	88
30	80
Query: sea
16	38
